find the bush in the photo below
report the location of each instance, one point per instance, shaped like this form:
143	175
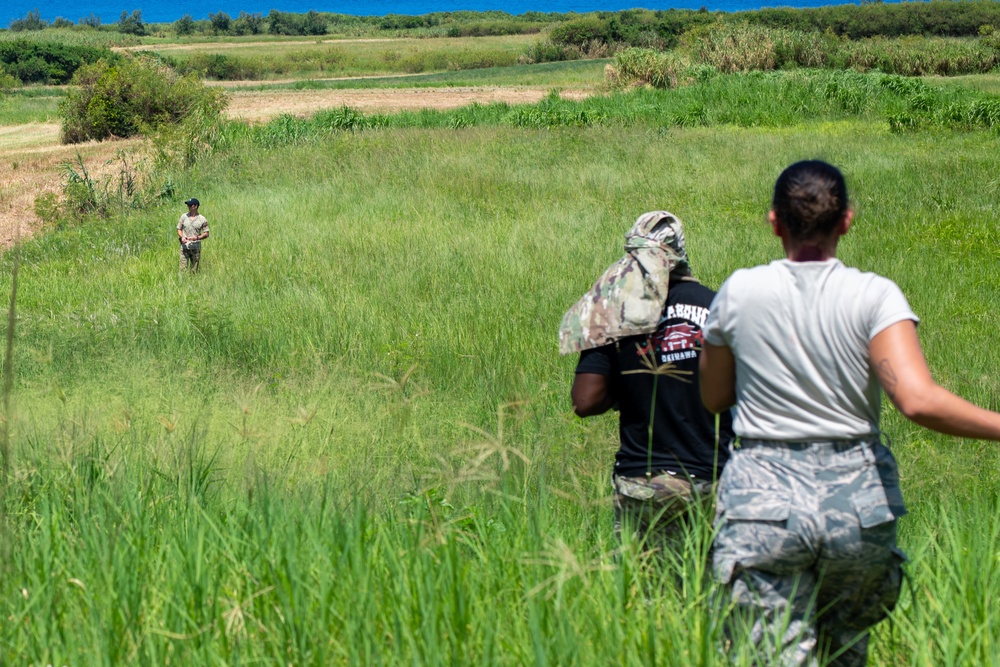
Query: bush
135	96
221	67
580	31
47	62
60	22
544	51
7	80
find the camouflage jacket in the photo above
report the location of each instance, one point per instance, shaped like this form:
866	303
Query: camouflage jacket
628	299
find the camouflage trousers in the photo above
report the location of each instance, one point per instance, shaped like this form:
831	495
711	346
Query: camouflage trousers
656	511
806	547
190	258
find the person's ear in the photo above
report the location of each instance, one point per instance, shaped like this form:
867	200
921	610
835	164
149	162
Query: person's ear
776	226
845	223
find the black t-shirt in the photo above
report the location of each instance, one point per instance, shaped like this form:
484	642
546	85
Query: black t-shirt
663	366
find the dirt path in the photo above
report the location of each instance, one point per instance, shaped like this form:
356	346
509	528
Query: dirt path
258	106
32	159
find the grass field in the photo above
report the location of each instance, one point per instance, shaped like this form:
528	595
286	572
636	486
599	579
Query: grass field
328	57
349	440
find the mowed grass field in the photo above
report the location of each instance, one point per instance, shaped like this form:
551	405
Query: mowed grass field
348	440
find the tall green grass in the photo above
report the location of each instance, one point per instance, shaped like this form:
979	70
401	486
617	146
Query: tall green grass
756	99
348	439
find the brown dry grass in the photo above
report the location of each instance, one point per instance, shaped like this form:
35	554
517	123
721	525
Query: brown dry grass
31	164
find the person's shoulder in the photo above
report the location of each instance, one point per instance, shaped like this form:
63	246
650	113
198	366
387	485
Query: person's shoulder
741	278
868	279
690	291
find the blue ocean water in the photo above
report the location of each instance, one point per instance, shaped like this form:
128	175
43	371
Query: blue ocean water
162	11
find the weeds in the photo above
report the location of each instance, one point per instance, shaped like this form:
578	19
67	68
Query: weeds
128	188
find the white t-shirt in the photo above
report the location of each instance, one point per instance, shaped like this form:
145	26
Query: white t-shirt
799	332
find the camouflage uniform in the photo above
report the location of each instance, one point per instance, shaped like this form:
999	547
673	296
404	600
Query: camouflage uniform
806	545
658	510
190	256
628	299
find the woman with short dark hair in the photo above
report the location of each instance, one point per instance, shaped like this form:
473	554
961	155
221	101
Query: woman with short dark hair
809	501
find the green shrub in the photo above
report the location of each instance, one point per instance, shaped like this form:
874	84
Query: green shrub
580	31
544	51
132	97
47	62
7	80
490	28
219	66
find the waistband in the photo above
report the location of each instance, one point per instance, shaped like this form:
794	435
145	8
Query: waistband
824	453
804	445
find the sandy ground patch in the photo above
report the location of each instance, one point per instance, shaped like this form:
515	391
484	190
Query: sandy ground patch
258	106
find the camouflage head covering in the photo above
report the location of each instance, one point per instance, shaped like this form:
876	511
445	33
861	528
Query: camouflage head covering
628	299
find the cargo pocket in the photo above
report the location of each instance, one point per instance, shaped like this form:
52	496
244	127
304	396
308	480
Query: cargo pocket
745	514
755	505
872	507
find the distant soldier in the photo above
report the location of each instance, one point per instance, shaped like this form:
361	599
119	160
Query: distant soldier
638	332
192	229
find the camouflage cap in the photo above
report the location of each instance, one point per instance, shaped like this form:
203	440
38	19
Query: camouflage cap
628	299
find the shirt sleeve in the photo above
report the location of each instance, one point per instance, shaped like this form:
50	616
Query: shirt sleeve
891	307
599	360
180	223
714	330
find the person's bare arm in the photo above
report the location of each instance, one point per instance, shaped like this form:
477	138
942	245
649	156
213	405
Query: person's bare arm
717	368
592	394
902	370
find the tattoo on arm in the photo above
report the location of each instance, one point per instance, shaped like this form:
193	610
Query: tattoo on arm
887	377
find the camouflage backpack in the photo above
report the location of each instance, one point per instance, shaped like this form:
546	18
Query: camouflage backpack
628	299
